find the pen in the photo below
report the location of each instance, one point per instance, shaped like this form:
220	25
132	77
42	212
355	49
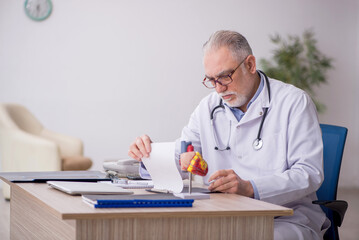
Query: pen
212	181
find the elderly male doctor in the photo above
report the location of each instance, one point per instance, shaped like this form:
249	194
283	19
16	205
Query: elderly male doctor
265	141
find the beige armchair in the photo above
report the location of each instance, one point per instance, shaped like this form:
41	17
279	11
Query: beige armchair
25	145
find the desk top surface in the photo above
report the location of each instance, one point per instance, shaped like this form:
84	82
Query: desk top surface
72	207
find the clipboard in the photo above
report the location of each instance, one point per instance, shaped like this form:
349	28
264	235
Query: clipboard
78	188
43	177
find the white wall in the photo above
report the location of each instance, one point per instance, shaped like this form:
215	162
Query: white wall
107	71
341	93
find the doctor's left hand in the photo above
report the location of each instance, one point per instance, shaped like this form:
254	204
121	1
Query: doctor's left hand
140	148
229	182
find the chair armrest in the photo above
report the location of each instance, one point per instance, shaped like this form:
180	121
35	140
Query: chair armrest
25	152
339	207
68	145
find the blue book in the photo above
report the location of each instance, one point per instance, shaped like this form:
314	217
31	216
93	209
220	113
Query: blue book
136	201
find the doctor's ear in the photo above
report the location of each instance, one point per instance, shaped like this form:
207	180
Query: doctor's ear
251	64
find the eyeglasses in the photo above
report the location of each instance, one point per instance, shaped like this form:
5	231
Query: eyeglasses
223	80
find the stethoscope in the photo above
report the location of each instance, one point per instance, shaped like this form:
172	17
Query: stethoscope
258	142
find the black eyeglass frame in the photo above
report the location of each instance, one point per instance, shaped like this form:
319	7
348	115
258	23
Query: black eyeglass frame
219	78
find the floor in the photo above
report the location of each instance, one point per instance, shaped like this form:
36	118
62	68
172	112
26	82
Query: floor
348	231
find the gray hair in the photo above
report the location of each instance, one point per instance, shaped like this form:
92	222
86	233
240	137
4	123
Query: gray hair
236	42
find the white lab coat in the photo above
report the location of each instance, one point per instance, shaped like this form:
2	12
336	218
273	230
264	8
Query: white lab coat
288	169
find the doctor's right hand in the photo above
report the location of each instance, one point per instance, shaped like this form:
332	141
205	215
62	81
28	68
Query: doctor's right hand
185	159
140	148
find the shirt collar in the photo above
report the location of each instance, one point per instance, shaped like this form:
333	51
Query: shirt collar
239	113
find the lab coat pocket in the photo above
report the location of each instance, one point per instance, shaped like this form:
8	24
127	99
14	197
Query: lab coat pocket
271	158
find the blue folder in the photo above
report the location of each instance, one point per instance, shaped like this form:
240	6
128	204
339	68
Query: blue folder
136	201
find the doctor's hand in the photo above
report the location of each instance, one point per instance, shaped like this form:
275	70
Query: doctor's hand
185	159
228	181
140	148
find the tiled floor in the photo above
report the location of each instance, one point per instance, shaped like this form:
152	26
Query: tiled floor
348	231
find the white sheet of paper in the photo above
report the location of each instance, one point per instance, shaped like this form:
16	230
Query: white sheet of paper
162	167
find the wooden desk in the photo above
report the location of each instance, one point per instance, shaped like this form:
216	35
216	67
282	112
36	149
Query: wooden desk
40	212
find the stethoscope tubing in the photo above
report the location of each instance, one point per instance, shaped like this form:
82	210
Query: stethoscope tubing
258	142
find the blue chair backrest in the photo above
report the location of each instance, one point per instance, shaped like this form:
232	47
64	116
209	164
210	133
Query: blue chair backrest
333	147
333	140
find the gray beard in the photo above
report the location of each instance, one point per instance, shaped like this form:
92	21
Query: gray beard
239	101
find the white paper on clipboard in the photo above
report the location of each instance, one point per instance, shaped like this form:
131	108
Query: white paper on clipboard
162	167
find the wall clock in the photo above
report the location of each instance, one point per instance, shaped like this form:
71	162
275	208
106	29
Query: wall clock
38	10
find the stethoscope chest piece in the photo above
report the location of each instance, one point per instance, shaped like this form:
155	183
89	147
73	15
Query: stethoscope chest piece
257	144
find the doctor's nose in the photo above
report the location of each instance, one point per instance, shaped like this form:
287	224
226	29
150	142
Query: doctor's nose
220	88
